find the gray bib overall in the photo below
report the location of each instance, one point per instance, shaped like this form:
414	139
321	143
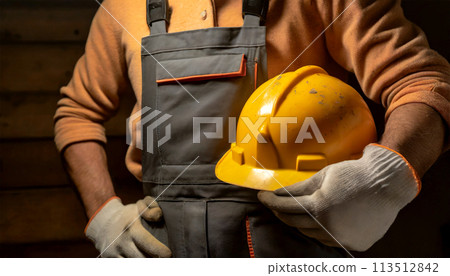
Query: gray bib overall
208	73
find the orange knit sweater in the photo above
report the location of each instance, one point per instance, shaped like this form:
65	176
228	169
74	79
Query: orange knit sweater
389	55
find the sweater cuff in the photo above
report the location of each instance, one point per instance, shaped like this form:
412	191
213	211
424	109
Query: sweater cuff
71	130
433	100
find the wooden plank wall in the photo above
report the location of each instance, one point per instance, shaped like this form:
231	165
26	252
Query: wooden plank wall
40	212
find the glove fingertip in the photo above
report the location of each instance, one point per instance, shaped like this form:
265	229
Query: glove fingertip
150	202
262	195
153	214
166	253
267	198
282	191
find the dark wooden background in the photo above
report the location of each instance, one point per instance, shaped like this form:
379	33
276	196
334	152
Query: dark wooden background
40	212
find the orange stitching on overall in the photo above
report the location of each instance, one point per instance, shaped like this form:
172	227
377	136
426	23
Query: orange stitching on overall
256	74
249	238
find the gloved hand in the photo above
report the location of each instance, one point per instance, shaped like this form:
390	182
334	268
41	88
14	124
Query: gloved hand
356	200
106	226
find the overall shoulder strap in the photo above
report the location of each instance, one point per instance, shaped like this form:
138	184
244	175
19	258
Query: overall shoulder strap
254	12
157	16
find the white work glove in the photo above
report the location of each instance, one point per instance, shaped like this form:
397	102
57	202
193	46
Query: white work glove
356	200
113	236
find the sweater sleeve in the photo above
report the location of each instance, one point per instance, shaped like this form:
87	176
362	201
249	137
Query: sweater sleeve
100	76
389	55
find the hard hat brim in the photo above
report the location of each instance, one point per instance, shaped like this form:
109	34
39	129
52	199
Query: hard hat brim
248	176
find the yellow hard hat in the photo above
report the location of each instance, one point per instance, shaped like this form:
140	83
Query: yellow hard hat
294	125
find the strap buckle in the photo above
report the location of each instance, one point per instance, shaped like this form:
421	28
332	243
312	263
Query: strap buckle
157	10
257	8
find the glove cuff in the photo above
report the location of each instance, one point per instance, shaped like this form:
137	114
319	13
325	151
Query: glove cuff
410	167
114	200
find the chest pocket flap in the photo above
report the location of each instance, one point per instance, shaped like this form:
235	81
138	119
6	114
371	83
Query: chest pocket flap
201	68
